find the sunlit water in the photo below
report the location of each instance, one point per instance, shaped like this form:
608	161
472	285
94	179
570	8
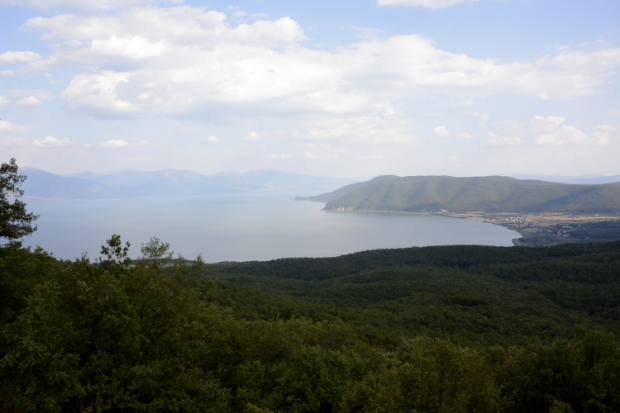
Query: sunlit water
244	227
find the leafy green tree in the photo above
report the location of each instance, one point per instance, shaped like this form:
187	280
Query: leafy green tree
15	222
156	252
429	376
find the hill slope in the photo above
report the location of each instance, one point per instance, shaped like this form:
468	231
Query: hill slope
491	193
472	293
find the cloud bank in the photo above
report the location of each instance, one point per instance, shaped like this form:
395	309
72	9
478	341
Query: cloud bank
190	60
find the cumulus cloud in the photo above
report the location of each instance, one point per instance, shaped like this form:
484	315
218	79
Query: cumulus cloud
552	131
211	139
50	141
603	133
252	136
29	59
11	141
33	97
114	144
466	103
429	4
10	127
495	140
388	126
179	127
483	117
509	127
442	132
614	112
3	100
19	57
281	157
322	151
6	73
86	5
29	101
189	60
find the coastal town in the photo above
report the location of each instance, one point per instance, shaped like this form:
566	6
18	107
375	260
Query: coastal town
548	229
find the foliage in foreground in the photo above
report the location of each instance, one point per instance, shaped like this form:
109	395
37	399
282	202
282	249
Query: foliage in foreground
148	337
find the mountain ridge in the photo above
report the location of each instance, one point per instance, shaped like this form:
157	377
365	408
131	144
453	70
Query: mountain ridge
166	182
492	194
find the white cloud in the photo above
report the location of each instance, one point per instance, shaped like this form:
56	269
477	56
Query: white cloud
466	103
281	157
388	126
98	94
509	127
10	127
3	100
29	101
50	141
603	133
10	141
496	140
104	5
179	127
322	151
30	59
39	93
51	79
614	112
114	144
19	57
189	60
429	4
33	97
6	73
484	117
442	132
211	139
252	136
550	131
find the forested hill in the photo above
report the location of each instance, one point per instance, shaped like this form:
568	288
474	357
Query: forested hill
491	194
472	294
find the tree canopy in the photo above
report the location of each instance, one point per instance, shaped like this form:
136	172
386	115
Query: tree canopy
15	222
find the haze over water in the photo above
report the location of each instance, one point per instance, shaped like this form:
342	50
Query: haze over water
244	227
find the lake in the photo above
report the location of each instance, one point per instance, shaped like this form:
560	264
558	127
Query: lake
243	227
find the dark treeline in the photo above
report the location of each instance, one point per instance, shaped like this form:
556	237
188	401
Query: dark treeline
438	329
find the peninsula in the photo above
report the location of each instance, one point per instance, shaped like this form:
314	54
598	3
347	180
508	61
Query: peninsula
545	213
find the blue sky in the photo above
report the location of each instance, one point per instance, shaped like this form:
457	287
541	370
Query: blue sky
338	88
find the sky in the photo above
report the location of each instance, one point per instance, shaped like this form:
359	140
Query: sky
334	88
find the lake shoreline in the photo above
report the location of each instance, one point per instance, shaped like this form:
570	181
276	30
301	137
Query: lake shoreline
549	224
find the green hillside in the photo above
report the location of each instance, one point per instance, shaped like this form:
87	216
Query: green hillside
470	294
491	194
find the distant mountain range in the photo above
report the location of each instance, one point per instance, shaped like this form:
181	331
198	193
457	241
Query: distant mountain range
491	194
167	182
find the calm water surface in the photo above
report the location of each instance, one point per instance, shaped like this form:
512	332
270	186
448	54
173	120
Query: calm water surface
244	227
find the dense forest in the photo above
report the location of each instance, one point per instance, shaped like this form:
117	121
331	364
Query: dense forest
491	193
437	329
